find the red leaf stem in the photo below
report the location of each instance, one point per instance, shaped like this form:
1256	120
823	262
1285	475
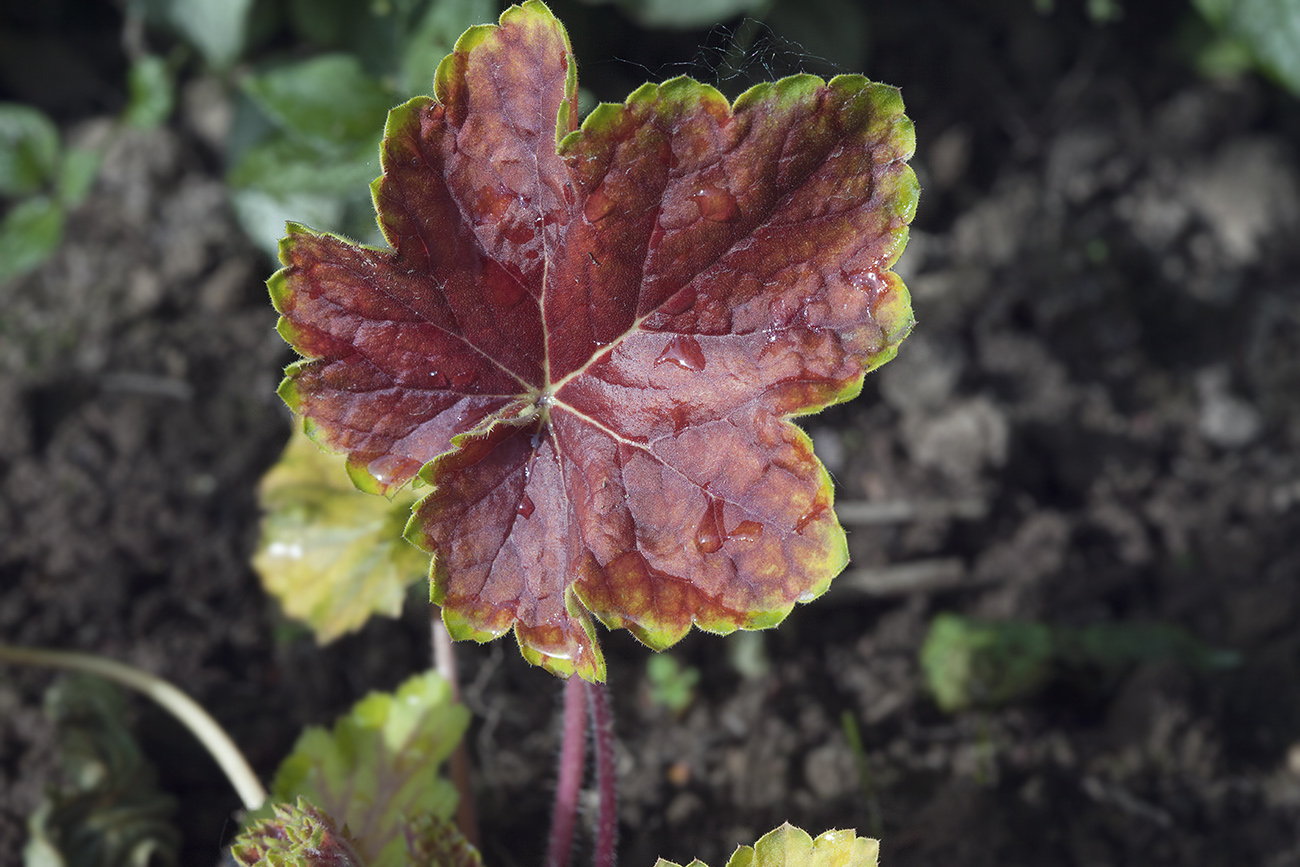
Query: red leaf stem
573	761
602	729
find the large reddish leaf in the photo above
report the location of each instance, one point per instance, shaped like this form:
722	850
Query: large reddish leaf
592	340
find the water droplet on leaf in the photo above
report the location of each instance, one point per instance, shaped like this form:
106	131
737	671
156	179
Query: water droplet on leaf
489	204
519	233
746	531
292	551
684	351
708	536
385	468
717	204
437	380
807	519
526	507
598	206
678	303
505	292
681	417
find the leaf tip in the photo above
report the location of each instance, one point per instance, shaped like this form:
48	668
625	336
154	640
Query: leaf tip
288	388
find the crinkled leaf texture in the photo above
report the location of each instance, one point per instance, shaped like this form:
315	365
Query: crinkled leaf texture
592	339
375	771
332	555
789	846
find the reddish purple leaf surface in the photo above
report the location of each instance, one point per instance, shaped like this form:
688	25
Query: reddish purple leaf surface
592	339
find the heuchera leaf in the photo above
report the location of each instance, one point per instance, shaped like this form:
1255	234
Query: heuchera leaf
330	554
592	339
789	846
375	771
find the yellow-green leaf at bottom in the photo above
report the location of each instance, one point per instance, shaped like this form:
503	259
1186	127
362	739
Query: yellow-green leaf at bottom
332	555
375	773
788	846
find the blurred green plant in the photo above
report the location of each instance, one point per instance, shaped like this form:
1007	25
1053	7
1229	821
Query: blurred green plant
669	683
112	814
218	29
151	92
367	788
41	180
306	137
1259	34
332	555
971	663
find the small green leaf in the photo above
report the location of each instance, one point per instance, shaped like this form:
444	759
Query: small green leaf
967	663
113	815
29	235
671	684
788	846
296	835
323	153
263	215
29	149
152	93
215	27
281	166
375	771
329	101
332	555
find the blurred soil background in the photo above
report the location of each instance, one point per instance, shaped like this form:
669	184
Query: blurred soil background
1096	420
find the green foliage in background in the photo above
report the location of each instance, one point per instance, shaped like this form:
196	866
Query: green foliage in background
971	663
218	29
151	93
40	181
1264	32
112	813
669	683
306	137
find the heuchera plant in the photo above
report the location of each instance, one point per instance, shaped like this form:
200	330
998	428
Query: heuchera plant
589	340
